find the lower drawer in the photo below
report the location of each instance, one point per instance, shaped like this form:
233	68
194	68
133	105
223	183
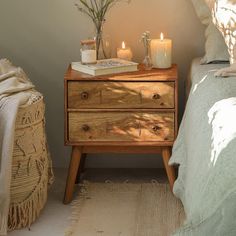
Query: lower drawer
120	126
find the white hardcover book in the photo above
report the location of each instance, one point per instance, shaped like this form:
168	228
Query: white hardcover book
105	67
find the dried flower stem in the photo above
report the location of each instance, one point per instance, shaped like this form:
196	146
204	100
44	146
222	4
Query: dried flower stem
146	40
96	10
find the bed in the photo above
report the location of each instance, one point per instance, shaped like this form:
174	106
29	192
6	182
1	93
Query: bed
198	70
205	151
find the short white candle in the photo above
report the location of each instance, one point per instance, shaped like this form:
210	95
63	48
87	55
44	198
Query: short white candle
88	56
124	52
161	52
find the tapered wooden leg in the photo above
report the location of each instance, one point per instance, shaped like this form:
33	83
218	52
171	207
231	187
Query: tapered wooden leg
81	167
72	173
170	170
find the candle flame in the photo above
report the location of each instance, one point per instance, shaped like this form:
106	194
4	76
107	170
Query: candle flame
123	45
162	36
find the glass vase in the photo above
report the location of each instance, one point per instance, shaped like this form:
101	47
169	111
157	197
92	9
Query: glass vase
103	43
147	62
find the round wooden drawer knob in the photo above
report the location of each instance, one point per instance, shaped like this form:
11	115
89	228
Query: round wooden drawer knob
156	128
84	96
156	96
85	128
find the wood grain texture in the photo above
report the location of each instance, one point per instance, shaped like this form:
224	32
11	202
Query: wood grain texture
154	76
123	149
72	173
120	95
176	105
65	112
132	112
170	171
121	143
141	75
121	126
81	167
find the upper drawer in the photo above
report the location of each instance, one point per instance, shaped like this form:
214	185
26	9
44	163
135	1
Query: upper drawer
120	94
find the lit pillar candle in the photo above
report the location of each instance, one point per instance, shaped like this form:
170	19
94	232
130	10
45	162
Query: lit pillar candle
124	52
161	52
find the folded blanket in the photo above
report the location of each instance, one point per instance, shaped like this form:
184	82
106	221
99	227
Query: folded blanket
226	72
15	90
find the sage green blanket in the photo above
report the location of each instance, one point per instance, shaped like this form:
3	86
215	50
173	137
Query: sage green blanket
206	152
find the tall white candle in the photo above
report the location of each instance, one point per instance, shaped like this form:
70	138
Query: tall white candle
161	52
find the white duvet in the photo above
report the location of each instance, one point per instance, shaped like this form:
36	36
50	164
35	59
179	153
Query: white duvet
206	152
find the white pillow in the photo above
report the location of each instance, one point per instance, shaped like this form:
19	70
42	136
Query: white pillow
215	47
224	17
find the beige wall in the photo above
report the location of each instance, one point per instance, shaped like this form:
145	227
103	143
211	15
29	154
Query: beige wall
43	36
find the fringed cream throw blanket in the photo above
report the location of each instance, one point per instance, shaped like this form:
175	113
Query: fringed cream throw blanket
15	90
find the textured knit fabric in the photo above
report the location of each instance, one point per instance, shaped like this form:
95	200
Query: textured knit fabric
125	209
205	150
15	90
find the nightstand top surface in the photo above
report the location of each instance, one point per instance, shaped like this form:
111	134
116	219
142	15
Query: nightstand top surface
170	74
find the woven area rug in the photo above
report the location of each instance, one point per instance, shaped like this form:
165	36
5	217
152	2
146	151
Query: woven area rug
113	209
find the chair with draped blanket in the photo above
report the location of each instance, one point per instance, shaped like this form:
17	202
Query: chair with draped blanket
24	159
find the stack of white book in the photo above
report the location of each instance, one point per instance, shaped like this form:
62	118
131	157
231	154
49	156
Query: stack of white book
105	67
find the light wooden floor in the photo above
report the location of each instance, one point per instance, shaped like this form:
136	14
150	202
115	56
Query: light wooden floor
54	218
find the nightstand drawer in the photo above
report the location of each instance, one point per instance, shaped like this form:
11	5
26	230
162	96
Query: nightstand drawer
120	94
121	126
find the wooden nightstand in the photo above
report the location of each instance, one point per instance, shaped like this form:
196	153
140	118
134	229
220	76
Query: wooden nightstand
123	113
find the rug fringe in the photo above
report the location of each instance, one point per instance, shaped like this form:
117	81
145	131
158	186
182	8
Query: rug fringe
76	207
92	194
77	204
